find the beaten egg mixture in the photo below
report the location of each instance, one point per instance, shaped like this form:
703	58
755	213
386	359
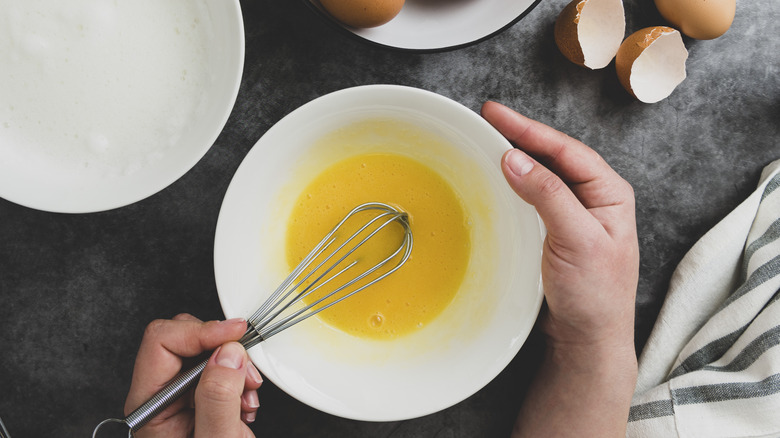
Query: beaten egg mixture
414	295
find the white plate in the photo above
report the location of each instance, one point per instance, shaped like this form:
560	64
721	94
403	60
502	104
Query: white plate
78	167
437	25
463	348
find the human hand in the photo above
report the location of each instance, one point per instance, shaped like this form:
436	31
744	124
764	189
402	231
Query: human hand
590	262
590	269
225	399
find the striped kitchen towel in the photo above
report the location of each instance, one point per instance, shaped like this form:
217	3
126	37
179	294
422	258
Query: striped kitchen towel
711	367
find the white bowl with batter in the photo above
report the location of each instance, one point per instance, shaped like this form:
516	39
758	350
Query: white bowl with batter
465	346
103	104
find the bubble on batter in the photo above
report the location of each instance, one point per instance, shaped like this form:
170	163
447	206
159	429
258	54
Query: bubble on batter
376	320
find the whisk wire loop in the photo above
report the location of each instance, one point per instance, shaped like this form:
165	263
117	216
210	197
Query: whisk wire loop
283	300
322	303
257	319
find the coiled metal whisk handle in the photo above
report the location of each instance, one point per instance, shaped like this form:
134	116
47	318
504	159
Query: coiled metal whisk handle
164	398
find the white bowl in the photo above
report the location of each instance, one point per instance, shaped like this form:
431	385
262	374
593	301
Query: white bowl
438	25
103	73
466	346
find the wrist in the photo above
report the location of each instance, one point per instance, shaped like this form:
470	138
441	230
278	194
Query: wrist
609	370
606	335
581	390
593	357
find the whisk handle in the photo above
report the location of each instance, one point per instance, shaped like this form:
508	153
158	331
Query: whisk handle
164	397
158	402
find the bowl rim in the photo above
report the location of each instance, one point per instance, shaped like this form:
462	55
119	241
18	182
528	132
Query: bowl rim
268	363
333	23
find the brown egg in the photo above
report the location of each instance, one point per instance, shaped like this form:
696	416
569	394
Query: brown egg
363	13
651	63
700	19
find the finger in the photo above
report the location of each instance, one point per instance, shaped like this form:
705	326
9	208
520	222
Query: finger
249	399
166	339
253	378
218	395
589	177
249	404
249	417
569	158
179	423
165	342
561	211
185	317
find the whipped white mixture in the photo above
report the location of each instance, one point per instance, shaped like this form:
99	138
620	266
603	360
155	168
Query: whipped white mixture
99	86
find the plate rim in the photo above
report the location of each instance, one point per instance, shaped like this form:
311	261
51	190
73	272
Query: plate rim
345	31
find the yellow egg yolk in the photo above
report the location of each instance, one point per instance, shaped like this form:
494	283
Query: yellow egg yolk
422	288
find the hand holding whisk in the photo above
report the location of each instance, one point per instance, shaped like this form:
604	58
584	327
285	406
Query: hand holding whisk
314	285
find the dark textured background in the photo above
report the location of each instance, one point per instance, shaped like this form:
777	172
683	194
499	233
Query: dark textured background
77	290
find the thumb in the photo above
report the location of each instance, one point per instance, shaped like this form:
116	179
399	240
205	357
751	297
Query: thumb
562	213
218	395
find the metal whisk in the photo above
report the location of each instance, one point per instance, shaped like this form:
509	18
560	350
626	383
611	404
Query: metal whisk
281	310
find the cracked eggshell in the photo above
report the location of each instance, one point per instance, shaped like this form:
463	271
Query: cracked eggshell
651	63
700	19
589	32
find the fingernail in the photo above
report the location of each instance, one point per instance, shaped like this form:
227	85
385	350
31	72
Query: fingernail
518	162
253	374
251	400
230	355
249	417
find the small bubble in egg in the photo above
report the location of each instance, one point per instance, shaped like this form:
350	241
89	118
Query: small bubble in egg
376	320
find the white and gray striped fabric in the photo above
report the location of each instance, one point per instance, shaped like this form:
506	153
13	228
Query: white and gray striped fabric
711	367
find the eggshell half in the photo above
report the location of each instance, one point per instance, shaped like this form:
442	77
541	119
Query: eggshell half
589	32
700	19
651	63
363	13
